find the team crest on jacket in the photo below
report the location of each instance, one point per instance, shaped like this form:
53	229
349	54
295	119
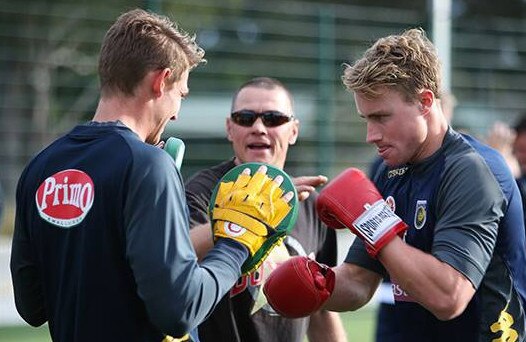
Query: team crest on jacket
391	203
65	198
420	214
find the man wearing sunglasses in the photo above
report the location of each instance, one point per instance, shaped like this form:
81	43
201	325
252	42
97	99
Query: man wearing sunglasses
261	127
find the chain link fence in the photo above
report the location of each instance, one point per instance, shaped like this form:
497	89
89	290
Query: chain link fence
48	80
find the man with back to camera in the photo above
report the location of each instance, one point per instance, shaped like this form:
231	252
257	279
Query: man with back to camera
101	248
443	217
261	128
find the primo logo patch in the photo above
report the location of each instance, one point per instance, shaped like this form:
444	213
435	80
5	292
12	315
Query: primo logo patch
420	214
65	198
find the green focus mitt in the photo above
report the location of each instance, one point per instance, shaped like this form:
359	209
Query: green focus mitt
257	205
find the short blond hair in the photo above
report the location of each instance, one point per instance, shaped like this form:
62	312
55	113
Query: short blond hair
407	62
139	42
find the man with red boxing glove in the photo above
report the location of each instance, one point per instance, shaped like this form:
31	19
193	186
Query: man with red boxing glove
442	219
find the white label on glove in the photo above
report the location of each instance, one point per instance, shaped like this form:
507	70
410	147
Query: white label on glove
232	229
375	221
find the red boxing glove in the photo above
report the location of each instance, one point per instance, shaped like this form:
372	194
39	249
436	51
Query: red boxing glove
351	200
299	287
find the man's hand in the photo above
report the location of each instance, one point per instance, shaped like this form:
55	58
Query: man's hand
305	185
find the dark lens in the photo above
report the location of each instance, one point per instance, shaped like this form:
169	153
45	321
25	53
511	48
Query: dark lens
271	118
274	118
244	117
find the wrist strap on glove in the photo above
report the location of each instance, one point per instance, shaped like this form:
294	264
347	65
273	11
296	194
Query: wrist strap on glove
376	221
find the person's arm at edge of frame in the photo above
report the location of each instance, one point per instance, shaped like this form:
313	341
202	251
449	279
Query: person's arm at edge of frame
326	325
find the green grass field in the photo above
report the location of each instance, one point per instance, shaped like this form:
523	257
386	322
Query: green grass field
25	334
359	326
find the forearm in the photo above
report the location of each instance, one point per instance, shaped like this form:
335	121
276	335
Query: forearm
202	240
179	301
434	284
326	326
355	286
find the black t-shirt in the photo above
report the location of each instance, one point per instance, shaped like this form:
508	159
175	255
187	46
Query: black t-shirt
233	320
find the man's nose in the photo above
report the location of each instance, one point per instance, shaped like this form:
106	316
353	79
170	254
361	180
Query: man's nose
259	126
373	134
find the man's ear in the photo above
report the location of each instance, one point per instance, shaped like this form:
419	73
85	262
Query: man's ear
295	132
426	99
160	81
228	124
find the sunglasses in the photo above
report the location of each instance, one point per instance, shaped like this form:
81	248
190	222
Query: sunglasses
270	118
